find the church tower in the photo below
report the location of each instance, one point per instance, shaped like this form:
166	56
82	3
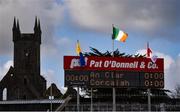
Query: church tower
27	50
23	81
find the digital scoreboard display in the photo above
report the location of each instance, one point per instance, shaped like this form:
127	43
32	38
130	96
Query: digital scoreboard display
119	72
152	80
118	79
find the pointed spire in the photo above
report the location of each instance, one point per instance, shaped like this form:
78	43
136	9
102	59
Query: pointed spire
39	25
14	24
37	30
18	28
35	25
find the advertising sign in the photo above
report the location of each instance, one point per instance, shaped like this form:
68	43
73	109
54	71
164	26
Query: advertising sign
114	63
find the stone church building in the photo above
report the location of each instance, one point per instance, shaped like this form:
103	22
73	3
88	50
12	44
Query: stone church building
24	81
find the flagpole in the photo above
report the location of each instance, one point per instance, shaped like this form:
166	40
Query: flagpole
147	47
77	50
113	47
112	43
114	90
148	89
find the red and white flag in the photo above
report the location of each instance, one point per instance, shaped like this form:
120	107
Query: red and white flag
149	54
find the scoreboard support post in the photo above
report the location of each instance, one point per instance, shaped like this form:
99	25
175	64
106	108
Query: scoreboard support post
149	99
114	99
91	100
78	99
114	90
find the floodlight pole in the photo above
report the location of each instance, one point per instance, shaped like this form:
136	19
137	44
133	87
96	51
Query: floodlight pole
149	99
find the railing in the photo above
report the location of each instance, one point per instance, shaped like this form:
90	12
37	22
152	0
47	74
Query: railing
60	108
122	107
60	101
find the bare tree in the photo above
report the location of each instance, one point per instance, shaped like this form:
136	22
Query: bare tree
176	93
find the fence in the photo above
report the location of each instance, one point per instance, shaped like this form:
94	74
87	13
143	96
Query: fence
122	107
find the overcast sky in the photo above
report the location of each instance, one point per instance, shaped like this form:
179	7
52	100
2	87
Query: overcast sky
90	21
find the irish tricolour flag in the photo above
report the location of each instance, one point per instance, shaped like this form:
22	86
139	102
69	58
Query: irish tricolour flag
119	35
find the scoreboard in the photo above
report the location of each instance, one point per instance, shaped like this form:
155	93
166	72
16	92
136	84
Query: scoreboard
119	72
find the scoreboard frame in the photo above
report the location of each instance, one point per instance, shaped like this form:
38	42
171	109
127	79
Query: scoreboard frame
123	72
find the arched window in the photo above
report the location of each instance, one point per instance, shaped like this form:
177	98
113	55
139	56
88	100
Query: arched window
25	81
24	97
4	94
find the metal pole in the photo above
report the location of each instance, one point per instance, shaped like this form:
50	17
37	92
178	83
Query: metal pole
91	99
149	99
114	99
113	47
77	98
18	93
114	89
51	96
